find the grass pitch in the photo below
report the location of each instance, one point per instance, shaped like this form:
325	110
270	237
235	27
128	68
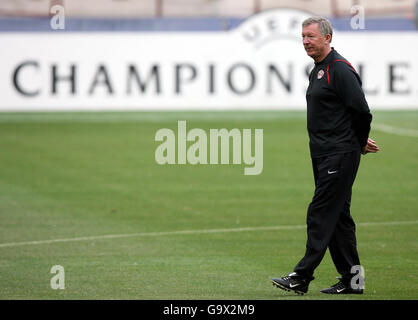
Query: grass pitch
87	184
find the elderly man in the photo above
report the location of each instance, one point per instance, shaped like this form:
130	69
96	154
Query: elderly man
339	120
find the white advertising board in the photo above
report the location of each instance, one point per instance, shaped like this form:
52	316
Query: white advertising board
259	65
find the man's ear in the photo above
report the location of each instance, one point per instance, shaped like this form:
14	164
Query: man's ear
328	37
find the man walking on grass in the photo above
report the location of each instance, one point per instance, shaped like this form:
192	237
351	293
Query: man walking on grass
339	120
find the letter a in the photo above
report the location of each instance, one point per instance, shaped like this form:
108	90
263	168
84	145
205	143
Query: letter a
168	147
58	19
58	281
358	20
357	281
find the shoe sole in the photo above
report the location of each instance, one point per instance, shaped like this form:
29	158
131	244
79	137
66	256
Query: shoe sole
348	292
278	285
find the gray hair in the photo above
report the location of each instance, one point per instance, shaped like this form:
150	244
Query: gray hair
324	26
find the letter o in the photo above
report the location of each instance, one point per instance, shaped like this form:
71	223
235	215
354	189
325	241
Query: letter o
250	72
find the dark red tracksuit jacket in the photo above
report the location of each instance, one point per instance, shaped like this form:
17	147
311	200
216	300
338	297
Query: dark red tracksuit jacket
338	114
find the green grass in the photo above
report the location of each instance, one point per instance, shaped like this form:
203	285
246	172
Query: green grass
68	175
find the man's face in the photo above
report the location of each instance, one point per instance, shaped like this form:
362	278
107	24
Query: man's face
316	45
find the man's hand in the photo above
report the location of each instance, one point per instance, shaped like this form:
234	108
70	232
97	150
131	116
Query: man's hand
371	146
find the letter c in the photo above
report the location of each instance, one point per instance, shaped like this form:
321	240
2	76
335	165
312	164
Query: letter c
16	82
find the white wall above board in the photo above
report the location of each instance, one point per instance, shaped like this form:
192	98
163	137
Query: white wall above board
259	65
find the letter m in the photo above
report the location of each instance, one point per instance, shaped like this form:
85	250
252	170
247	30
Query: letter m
225	136
133	75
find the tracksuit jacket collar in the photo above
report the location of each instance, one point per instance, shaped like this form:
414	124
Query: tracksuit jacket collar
328	58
